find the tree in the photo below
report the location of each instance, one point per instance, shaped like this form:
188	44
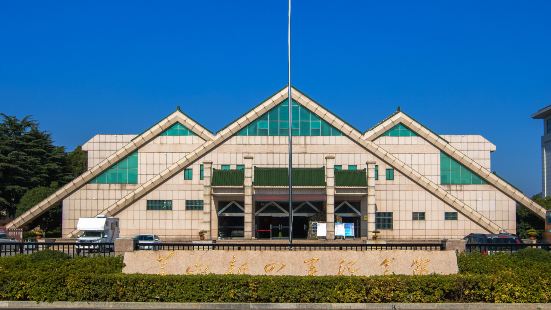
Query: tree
78	161
28	159
50	220
527	220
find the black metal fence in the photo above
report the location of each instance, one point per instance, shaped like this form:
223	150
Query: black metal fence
493	248
296	247
70	248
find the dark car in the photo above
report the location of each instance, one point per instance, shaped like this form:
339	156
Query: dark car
493	243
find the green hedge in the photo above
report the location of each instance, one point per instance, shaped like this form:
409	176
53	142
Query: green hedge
50	276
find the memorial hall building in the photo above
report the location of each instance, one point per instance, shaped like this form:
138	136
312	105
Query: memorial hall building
398	180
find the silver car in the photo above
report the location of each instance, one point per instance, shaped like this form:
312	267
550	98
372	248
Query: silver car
148	242
8	244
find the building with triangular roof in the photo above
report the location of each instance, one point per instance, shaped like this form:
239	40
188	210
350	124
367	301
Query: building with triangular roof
177	179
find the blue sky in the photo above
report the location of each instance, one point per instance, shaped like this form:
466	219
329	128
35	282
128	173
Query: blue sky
460	67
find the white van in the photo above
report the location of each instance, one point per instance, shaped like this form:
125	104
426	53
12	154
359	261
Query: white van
95	232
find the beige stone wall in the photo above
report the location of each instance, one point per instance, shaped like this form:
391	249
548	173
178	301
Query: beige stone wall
101	146
400	196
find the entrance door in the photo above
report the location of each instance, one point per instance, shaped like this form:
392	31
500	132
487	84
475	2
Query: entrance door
231	219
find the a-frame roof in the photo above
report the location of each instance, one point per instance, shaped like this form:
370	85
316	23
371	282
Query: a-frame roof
139	141
324	114
444	146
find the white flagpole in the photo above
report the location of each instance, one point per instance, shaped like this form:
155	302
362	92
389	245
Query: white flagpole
290	127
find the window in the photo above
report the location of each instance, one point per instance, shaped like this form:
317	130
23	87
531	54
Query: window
188	174
452	172
159	205
123	172
400	131
225	167
383	220
418	216
338	167
240	167
201	172
194	204
450	216
276	123
390	174
548	125
352	167
376	172
177	130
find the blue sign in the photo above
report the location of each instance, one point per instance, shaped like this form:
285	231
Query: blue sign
349	230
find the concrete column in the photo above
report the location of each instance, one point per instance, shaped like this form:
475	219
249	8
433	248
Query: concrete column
330	194
371	203
248	199
208	201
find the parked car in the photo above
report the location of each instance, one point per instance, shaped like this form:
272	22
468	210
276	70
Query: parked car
8	244
98	234
147	242
493	243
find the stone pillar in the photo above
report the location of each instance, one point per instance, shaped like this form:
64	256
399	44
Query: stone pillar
208	201
371	203
248	198
330	194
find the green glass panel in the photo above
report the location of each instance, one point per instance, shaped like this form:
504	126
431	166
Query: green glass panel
122	172
188	174
201	172
177	129
376	172
338	167
240	167
390	174
225	167
400	130
352	167
452	172
276	123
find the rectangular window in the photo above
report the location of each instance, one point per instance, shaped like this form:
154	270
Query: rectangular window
201	172
194	205
188	174
159	205
376	172
240	167
548	123
352	167
450	216
225	167
383	220
418	216
338	167
390	174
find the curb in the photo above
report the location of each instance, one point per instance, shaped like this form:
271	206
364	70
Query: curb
254	306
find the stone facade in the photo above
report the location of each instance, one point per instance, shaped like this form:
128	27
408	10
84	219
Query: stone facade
388	182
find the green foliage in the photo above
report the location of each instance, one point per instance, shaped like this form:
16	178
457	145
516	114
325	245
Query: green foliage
527	220
28	159
78	161
521	277
49	221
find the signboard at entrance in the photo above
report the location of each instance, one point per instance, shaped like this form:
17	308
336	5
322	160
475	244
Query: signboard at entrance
295	263
349	230
321	230
339	229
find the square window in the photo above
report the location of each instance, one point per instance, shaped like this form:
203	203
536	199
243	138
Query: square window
225	167
418	216
338	167
188	174
390	174
450	216
159	205
240	167
352	167
383	220
194	205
